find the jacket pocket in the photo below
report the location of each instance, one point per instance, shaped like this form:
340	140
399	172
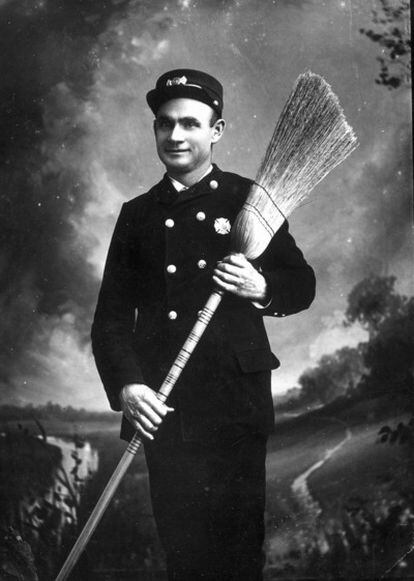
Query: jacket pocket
257	360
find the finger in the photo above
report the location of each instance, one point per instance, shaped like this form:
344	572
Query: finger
146	428
227	277
236	259
157	405
138	427
229	268
148	414
143	432
225	286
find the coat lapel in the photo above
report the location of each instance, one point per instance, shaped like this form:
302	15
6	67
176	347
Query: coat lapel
167	195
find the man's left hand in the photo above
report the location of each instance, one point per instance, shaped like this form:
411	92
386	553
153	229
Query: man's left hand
237	275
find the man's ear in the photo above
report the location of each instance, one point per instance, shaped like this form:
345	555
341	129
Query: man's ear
218	130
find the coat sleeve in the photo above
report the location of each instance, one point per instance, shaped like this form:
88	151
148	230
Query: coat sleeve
113	324
290	278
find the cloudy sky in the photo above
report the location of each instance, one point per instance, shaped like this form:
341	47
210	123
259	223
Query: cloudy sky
76	142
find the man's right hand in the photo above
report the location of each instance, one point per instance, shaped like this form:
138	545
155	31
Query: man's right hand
142	408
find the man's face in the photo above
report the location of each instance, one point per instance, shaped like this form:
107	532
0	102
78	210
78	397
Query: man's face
184	135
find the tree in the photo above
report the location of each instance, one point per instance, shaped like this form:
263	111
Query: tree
385	364
389	318
392	33
334	376
372	301
390	353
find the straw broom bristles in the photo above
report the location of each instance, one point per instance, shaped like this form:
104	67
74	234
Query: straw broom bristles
311	137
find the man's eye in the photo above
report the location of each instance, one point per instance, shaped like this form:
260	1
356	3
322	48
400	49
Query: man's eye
189	124
163	123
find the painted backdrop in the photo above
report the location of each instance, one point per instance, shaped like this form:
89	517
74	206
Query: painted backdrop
76	142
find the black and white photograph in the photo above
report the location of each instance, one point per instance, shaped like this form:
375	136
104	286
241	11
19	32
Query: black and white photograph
207	290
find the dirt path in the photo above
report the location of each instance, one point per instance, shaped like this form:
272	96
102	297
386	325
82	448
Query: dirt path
308	505
292	511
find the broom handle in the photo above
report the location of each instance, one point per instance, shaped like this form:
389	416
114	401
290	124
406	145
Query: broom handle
197	331
193	338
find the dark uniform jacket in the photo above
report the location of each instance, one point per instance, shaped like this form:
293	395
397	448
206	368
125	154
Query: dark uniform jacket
158	276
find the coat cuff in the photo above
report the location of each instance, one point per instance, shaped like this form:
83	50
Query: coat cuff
260	306
268	296
290	292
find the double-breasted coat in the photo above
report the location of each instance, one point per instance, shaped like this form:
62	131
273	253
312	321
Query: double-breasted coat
158	276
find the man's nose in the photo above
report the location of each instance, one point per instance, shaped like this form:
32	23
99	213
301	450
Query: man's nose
176	133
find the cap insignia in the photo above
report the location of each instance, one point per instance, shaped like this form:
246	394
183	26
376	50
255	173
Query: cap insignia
176	81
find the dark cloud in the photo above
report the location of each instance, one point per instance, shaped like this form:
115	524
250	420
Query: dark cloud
386	185
49	55
370	223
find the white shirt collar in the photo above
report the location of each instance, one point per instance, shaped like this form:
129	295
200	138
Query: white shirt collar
181	187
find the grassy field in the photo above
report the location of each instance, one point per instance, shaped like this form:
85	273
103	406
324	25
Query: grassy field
362	492
364	496
290	453
360	468
292	450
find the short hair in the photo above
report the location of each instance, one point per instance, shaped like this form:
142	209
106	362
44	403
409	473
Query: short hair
214	118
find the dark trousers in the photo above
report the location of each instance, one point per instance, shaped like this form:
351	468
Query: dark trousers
208	503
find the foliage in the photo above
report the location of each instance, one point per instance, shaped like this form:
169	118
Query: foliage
126	538
41	512
389	353
392	34
360	523
382	365
402	434
16	557
371	301
335	375
53	517
366	538
287	400
29	464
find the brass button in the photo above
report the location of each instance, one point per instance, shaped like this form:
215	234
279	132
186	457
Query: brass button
200	216
172	315
169	222
171	268
201	263
213	184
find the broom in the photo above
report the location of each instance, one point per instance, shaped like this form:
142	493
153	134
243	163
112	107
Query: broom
311	137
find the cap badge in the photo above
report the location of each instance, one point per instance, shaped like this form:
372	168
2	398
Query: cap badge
222	226
176	81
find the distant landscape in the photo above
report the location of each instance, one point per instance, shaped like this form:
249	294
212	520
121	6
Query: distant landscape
340	470
360	513
55	419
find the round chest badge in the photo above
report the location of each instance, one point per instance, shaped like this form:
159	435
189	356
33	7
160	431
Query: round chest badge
222	226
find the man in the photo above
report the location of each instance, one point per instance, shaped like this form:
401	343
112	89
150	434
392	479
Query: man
206	449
